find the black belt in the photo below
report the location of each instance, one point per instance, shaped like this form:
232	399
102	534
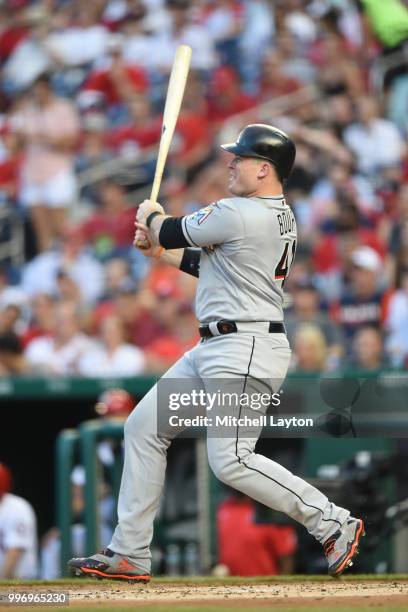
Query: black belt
230	327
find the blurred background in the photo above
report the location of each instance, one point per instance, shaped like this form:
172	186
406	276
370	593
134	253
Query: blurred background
81	311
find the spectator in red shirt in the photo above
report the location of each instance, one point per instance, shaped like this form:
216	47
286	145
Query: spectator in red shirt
191	148
226	97
10	164
14	31
119	81
110	230
180	334
331	253
135	310
274	82
191	145
138	309
248	549
158	317
141	131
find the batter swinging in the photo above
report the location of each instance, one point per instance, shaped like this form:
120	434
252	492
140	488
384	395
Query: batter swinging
241	249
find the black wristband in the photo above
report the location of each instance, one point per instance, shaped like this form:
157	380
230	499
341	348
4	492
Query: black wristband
190	262
150	217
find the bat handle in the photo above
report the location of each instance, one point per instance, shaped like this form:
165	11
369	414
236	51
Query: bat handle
140	244
155	189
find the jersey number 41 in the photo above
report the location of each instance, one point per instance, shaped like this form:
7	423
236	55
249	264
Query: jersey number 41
285	263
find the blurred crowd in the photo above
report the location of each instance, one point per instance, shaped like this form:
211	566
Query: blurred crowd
83	88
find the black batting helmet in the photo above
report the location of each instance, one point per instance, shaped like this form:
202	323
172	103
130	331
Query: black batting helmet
265	142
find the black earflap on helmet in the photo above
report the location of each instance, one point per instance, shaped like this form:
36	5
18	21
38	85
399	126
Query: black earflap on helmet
265	142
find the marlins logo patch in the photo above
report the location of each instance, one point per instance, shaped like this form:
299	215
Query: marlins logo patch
201	215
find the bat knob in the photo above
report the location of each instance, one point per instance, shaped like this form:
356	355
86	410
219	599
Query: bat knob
141	244
141	241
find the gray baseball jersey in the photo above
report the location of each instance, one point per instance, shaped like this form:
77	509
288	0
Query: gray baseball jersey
248	245
247	248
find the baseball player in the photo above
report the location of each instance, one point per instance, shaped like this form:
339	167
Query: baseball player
18	532
241	249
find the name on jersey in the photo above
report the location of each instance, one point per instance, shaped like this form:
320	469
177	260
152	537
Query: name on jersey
286	222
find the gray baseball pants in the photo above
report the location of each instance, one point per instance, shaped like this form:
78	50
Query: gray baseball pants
250	356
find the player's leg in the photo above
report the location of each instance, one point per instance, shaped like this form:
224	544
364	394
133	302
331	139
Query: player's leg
128	554
231	451
144	469
235	463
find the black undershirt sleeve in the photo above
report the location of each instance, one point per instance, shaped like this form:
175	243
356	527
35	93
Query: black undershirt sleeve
171	235
190	262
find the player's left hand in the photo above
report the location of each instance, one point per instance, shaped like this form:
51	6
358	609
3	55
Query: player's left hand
147	207
144	243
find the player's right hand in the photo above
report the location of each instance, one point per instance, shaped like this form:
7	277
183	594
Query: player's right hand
143	243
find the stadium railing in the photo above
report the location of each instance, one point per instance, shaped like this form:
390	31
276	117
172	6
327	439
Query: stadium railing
378	406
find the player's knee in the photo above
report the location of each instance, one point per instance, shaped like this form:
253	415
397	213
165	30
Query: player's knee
135	424
129	426
141	424
223	467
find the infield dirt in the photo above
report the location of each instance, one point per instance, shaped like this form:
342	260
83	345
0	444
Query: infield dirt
225	595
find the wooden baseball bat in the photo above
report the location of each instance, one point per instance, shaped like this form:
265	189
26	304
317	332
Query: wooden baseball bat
175	92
